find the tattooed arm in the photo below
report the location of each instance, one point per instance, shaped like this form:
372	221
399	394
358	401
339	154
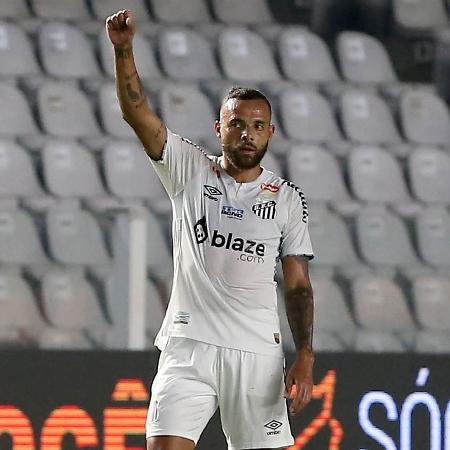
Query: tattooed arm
133	101
300	314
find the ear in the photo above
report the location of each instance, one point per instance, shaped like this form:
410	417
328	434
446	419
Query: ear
271	131
217	128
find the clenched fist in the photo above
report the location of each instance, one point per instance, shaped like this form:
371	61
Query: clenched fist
121	27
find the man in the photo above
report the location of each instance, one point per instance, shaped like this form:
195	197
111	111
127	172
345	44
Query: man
232	220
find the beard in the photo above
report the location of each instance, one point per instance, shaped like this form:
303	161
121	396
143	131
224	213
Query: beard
244	161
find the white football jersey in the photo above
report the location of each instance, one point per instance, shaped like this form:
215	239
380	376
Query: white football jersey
227	238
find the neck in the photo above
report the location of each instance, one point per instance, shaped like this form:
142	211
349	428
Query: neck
241	175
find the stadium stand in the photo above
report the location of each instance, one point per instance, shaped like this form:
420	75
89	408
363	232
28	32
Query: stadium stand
369	149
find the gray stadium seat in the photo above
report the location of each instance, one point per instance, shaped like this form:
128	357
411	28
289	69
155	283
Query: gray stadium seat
270	162
433	236
363	59
186	55
432	342
70	303
384	241
20	320
75	238
111	114
180	11
366	118
429	174
319	176
144	56
425	118
15	114
245	56
57	9
130	176
188	112
66	52
419	15
378	342
430	296
19	178
20	244
380	306
18	9
307	117
305	58
104	8
332	243
16	53
376	176
53	338
65	111
239	12
331	313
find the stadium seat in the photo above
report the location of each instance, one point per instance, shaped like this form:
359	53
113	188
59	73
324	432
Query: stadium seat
433	232
180	11
53	338
70	303
307	117
15	114
188	112
377	342
56	9
270	162
432	342
366	118
305	58
18	9
71	171
65	111
331	313
144	56
376	176
75	239
384	241
242	13
20	320
419	15
380	306
16	53
111	114
332	244
66	52
245	57
186	55
429	172
20	244
104	8
130	176
19	179
319	176
425	118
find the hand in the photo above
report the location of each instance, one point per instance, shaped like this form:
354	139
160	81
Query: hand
121	28
299	381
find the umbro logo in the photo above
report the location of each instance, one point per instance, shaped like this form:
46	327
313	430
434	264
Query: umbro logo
211	192
273	426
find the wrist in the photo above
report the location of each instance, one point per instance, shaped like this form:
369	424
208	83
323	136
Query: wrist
305	353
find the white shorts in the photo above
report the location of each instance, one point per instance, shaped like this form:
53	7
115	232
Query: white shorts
194	378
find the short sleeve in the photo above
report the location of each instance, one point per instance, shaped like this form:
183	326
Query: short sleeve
180	161
295	237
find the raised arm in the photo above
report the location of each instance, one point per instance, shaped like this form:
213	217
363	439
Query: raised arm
300	313
149	128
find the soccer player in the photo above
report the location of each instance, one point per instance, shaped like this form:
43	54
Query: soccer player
232	220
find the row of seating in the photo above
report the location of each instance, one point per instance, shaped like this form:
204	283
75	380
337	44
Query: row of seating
67	313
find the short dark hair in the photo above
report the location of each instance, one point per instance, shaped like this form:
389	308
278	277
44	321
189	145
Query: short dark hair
243	93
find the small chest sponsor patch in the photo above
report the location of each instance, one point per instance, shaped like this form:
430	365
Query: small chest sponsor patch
232	213
182	317
265	210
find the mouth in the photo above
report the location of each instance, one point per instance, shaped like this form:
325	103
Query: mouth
247	149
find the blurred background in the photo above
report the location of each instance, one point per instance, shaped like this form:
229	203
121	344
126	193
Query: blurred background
359	90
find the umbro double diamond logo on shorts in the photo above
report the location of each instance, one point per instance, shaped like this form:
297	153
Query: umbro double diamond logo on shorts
211	192
273	426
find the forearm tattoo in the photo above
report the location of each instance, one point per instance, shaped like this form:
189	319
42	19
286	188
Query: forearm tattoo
300	314
136	95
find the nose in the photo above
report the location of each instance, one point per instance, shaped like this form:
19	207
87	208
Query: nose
246	134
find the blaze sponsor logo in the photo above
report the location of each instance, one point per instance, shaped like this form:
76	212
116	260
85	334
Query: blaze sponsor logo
265	210
250	251
211	192
233	213
269	187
